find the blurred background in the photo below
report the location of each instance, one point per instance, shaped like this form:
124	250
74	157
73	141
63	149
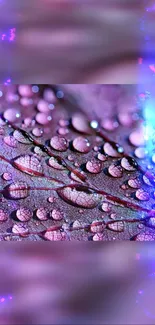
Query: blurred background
74	41
80	283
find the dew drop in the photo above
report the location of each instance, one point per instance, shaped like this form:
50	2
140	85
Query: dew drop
140	152
80	123
109	124
42	213
20	229
75	177
98	237
3	215
20	137
142	195
28	164
93	166
7	176
17	190
63	131
12	114
43	106
145	236
115	170
106	207
146	180
134	183
113	216
24	214
129	164
80	196
53	162
25	90
101	157
51	199
10	141
57	214
55	235
43	118
37	132
81	144
117	226
112	149
97	227
136	138
59	143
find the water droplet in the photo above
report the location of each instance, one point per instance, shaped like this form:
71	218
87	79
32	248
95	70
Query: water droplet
70	157
51	199
152	222
20	137
20	229
37	132
59	143
42	213
129	163
98	237
142	195
3	215
43	118
53	162
7	176
106	207
63	123
115	170
12	114
101	157
117	226
81	144
113	149
145	236
80	123
93	166
97	227
109	124
10	141
57	214
25	90
146	180
75	177
63	131
28	164
17	190
56	235
24	214
94	124
134	183
113	216
49	95
43	106
140	152
136	138
80	196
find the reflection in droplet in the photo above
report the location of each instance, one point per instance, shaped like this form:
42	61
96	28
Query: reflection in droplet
80	196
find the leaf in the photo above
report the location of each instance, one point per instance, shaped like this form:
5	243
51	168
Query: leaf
76	158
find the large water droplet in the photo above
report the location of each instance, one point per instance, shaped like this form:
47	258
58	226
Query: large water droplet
117	226
113	149
93	166
59	143
10	141
20	229
142	195
20	137
80	196
28	164
81	144
42	213
80	123
115	170
17	190
129	163
24	214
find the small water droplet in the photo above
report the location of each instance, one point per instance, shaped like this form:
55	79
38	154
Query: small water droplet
113	149
75	177
3	215
70	157
57	214
56	235
43	118
93	166
7	176
80	123
42	213
140	152
20	229
28	164
98	237
25	90
53	162
24	214
63	131
115	170
146	180
109	124
43	106
142	195
136	138
80	196
145	236
51	199
10	141
134	183
117	226
129	164
81	144
37	132
96	227
101	157
12	114
59	143
106	207
113	216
